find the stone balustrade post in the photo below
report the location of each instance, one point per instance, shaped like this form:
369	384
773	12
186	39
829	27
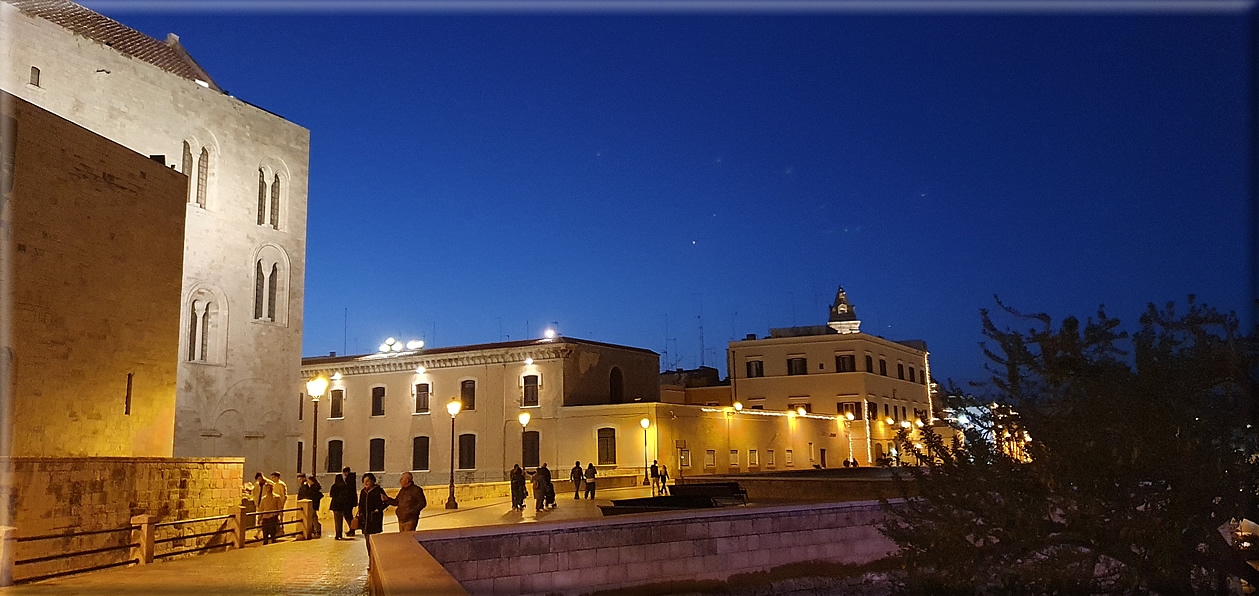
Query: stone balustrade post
238	527
8	547
143	532
306	513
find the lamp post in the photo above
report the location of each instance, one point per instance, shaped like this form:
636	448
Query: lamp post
524	422
645	423
453	407
315	387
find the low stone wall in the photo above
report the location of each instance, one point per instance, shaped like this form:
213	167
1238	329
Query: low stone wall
632	550
804	489
437	494
54	495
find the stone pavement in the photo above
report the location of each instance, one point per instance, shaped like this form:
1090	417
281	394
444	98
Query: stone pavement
324	566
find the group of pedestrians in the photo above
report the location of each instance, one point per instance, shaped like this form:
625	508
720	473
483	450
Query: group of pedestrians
579	477
367	512
659	479
544	486
269	495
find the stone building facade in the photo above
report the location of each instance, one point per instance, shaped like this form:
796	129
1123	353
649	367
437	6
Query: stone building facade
93	316
240	300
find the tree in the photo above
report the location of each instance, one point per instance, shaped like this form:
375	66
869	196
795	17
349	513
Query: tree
1098	462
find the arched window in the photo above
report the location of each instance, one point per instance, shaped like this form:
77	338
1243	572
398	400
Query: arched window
607	446
187	167
616	390
334	456
262	197
275	202
203	176
531	448
258	290
419	453
467	452
203	337
272	280
270	285
376	456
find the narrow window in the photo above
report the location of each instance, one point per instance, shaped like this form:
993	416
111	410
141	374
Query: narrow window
259	284
882	367
203	176
378	401
607	446
734	458
797	366
275	202
769	458
530	397
262	197
616	389
869	364
193	323
467	394
756	368
205	332
710	458
467	452
334	456
419	453
684	455
911	375
376	456
845	363
421	398
874	410
301	403
789	458
887	410
299	457
531	449
900	371
753	461
187	167
34	76
273	281
338	406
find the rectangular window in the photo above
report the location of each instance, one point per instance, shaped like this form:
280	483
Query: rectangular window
299	457
530	397
531	449
795	405
710	458
797	366
845	363
887	412
338	406
769	458
685	456
421	398
334	456
734	458
756	368
419	453
34	76
900	371
467	452
378	401
869	363
882	367
607	446
874	410
753	459
849	406
376	456
903	413
789	458
911	375
467	394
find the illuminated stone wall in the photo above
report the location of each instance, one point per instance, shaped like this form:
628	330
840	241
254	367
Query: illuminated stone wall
238	400
95	238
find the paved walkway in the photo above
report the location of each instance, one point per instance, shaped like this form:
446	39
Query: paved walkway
323	566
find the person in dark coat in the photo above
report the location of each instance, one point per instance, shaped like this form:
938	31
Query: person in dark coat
576	475
341	503
372	502
351	479
518	492
316	495
546	486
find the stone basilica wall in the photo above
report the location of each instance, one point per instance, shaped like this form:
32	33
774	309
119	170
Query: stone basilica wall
239	401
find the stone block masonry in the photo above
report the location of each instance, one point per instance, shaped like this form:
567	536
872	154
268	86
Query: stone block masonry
634	550
52	495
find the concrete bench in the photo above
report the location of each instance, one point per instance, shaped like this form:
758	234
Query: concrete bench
724	493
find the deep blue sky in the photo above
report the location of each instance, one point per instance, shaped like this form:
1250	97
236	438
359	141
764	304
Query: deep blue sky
490	174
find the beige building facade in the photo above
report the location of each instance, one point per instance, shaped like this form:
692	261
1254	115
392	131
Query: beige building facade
240	300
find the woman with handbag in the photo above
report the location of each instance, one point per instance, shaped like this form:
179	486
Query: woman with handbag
372	502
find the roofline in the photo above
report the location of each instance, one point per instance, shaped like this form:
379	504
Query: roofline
322	360
743	343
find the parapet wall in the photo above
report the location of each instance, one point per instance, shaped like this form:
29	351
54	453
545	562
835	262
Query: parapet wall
633	550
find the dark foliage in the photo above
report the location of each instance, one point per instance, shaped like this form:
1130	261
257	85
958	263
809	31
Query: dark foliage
1098	462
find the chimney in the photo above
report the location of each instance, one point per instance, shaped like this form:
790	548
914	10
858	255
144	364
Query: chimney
330	354
750	336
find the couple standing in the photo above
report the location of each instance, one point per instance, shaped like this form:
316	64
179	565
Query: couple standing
588	476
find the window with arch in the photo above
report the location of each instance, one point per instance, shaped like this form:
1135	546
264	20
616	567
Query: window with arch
376	456
270	285
275	202
334	456
607	446
530	397
203	339
187	167
203	176
419	454
616	386
531	449
467	452
467	394
262	196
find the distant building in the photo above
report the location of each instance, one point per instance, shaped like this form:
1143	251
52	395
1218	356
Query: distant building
241	294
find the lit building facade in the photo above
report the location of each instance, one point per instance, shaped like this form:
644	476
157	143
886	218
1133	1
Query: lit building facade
240	300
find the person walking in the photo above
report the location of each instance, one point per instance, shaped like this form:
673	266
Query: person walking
655	478
576	476
539	494
664	479
269	510
351	480
372	502
341	503
591	472
316	495
544	488
410	501
518	492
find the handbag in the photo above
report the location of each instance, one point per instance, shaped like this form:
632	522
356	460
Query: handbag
354	523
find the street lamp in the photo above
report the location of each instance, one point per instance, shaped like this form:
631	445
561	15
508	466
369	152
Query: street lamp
453	407
645	423
524	422
315	387
848	418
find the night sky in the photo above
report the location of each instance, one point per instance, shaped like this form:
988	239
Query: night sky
480	177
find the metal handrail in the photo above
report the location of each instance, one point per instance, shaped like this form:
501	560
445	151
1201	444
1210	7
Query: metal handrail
71	534
193	521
